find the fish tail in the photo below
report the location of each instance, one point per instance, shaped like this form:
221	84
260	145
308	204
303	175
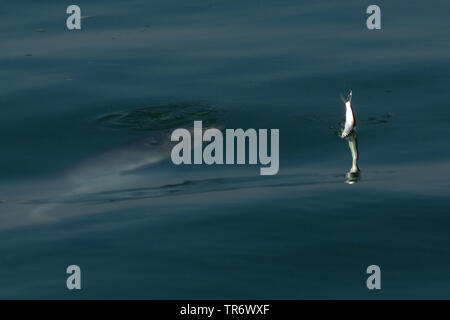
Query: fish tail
349	98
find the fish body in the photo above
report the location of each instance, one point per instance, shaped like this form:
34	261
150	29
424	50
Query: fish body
350	122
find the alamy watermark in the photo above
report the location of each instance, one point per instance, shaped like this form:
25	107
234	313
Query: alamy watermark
374	20
74	280
235	143
73	22
374	280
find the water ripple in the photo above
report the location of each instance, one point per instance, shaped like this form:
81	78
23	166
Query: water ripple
160	117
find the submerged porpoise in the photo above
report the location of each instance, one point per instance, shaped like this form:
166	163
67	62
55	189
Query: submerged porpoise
123	161
112	170
115	169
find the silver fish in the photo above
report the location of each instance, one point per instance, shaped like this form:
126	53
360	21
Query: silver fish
349	117
350	135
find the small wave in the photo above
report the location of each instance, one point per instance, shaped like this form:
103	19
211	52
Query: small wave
384	118
160	117
188	187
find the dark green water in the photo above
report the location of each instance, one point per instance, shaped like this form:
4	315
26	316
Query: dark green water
77	107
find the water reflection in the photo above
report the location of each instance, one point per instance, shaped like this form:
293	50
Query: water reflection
354	174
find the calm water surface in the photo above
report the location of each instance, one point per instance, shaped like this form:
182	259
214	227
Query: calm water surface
81	110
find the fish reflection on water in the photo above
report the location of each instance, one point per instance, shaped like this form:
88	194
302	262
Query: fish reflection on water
354	175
